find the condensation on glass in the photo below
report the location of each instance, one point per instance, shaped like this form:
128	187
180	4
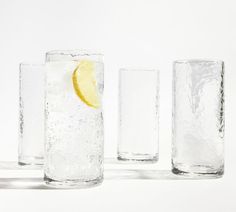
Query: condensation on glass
198	117
74	126
31	114
138	115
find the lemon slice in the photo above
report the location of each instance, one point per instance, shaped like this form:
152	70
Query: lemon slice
84	82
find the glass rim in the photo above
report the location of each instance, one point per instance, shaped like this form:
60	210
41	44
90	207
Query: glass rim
189	61
140	69
74	52
31	64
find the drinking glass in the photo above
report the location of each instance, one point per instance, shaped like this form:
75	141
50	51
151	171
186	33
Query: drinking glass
138	115
31	111
198	117
73	119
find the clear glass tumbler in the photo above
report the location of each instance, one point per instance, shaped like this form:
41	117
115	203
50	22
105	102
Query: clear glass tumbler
31	111
198	117
73	119
138	115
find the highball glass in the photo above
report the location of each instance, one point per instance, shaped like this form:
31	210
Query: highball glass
198	117
74	120
31	111
138	115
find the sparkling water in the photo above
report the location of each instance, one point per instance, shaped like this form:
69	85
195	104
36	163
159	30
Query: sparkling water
74	130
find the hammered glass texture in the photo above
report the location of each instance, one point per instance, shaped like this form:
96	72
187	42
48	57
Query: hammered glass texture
74	130
198	117
31	115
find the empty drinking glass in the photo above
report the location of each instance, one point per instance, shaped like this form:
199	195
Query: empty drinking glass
198	117
31	123
138	115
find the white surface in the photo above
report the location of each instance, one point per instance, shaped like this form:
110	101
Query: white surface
140	33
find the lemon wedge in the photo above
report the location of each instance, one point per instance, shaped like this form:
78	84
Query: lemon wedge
85	85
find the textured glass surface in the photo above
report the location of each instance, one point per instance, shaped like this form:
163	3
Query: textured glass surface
74	130
31	123
198	117
138	115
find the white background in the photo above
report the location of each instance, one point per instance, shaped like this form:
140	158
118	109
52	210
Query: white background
141	33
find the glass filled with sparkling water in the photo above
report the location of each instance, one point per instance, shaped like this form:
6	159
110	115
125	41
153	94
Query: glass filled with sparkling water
73	119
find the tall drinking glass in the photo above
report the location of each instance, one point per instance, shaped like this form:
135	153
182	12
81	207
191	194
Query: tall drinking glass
138	115
198	117
31	111
73	119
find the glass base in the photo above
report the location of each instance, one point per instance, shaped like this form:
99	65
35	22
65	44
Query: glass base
69	184
31	161
198	170
135	157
